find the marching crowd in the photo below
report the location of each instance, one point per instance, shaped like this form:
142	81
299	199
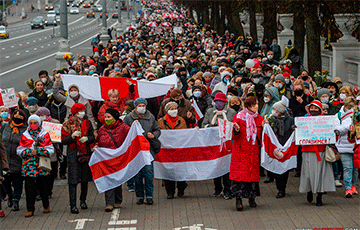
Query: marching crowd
236	79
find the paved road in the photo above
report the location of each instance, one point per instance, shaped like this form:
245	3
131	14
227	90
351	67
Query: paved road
197	209
29	51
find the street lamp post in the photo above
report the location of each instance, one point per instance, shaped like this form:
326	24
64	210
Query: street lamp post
22	9
104	33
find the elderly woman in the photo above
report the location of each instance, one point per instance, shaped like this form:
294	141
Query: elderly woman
11	134
78	134
244	166
115	102
39	93
316	173
173	121
112	135
35	143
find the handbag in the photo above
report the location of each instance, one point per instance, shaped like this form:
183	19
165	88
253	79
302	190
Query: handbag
44	163
331	154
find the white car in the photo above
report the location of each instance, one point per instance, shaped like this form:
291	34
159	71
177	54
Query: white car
74	10
97	8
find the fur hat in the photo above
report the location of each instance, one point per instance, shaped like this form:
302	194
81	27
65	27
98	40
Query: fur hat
170	104
43	110
77	107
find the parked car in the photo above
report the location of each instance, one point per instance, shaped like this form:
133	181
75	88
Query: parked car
50	21
75	4
74	10
90	14
3	32
115	15
68	3
51	13
87	4
97	8
49	7
107	15
38	23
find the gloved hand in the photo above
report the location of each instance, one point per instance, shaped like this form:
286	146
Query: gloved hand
76	134
83	139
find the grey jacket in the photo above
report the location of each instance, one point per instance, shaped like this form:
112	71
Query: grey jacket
210	113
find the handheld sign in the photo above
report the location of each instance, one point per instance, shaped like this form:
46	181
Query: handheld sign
315	130
54	131
8	97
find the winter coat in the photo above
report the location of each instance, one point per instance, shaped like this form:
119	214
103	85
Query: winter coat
11	142
118	130
69	102
343	145
4	164
58	112
153	105
210	113
180	123
148	123
297	109
182	111
288	128
274	93
221	86
245	160
41	99
30	165
78	172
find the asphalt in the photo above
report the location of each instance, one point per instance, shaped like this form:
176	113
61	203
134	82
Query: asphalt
28	51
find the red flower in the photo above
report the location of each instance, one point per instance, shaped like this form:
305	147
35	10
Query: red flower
336	103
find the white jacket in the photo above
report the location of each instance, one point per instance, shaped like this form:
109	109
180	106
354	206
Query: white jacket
343	145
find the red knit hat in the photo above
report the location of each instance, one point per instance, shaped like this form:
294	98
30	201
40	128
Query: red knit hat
91	62
220	97
316	103
77	107
286	75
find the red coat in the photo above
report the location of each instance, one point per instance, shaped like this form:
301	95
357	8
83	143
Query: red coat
245	161
118	130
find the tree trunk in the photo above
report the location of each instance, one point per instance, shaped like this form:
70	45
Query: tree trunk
313	38
191	12
234	21
221	20
299	30
269	21
253	29
215	12
206	14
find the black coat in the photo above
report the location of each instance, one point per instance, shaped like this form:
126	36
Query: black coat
297	109
42	99
58	112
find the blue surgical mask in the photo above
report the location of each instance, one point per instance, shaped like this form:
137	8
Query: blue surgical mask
280	86
139	74
325	100
132	70
117	70
214	67
220	105
92	71
4	115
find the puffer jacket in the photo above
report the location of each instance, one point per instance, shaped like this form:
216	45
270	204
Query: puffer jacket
343	145
118	130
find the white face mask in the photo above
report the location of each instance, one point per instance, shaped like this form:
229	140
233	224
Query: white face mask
32	108
80	114
274	113
287	81
266	99
42	118
74	94
44	80
342	96
270	57
141	110
173	113
232	56
256	80
197	94
229	97
307	91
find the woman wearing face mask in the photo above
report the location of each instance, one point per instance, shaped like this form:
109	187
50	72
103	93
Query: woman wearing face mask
231	57
39	93
235	103
112	135
29	150
316	173
202	99
4	115
220	110
74	97
44	115
31	105
11	134
324	96
151	131
173	121
271	96
78	134
345	92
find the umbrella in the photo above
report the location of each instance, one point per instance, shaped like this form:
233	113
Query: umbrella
167	15
168	24
131	28
152	24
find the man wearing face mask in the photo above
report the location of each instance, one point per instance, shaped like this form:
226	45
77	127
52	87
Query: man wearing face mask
151	132
48	83
220	110
74	97
280	84
270	59
185	110
102	65
202	99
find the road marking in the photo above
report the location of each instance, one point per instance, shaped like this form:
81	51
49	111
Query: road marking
18	54
12	46
2	48
131	228
27	43
41	47
34	41
45	37
40	39
48	44
7	56
27	51
35	48
20	44
80	223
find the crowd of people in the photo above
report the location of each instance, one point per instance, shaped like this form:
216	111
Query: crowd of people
212	70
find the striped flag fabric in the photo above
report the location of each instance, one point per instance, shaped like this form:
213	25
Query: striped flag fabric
275	157
191	155
113	167
198	113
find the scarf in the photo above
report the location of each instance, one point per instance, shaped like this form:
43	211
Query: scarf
249	118
171	120
76	124
15	126
216	114
48	119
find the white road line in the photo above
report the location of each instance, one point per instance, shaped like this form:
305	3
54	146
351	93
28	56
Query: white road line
12	46
41	47
35	48
48	45
7	56
27	43
40	39
18	54
2	48
20	44
34	41
45	37
27	51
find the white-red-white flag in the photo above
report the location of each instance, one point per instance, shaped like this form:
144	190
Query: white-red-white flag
198	113
113	167
275	157
191	154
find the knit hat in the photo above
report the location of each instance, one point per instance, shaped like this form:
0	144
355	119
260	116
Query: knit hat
140	100
73	85
175	93
34	117
170	104
337	79
214	93
114	113
220	97
280	106
316	103
77	107
150	75
102	58
32	101
225	73
325	106
181	69
206	74
280	77
43	110
233	90
196	87
323	91
72	72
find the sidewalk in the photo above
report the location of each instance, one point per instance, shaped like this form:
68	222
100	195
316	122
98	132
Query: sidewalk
197	210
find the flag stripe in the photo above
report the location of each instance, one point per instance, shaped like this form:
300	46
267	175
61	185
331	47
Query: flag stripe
270	147
192	154
106	167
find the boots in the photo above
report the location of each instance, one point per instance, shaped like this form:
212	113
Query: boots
319	200
16	205
10	201
252	202
239	205
309	197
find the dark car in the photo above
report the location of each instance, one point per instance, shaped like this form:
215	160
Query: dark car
115	15
37	23
87	4
90	14
107	15
50	21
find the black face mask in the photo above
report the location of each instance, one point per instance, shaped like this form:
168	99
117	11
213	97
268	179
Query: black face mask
298	93
314	112
305	78
18	120
236	107
259	95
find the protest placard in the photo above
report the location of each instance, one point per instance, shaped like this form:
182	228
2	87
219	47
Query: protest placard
8	98
315	130
177	30
54	131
